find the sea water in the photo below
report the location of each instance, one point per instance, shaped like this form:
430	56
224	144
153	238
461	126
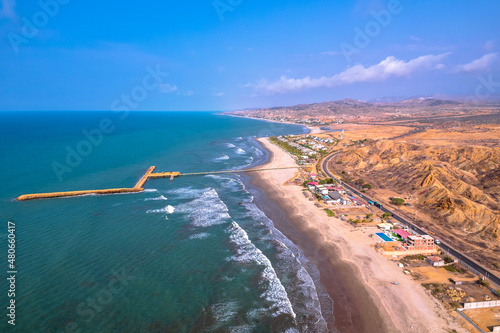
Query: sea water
190	255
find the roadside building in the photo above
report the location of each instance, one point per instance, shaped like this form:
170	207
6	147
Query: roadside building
435	261
385	226
402	233
420	243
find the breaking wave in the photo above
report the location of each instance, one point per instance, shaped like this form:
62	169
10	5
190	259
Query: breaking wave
206	210
245	252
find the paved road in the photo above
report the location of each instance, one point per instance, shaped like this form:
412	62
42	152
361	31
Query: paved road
445	247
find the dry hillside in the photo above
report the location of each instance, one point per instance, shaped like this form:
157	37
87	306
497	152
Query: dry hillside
456	187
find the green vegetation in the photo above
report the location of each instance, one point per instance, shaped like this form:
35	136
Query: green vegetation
339	162
326	181
450	269
368	216
416	257
357	221
483	283
305	183
448	259
397	237
435	288
286	146
397	201
455	305
329	212
367	186
360	181
386	216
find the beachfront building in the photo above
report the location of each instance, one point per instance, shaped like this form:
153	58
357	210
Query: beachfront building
420	243
335	196
321	189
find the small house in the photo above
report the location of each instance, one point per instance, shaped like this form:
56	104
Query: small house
435	261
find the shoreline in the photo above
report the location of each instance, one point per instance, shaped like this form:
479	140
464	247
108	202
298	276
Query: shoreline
356	278
311	129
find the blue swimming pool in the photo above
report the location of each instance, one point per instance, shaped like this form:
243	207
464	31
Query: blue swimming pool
384	237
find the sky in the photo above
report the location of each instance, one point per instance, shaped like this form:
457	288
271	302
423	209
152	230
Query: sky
235	54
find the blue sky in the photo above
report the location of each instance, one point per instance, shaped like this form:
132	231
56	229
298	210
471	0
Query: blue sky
232	54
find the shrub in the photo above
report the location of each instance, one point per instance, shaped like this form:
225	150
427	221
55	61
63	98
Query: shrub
367	186
484	283
397	201
329	212
450	269
386	215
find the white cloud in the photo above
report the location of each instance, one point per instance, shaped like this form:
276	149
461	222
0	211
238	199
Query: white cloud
167	88
189	93
387	68
479	64
7	9
330	53
219	94
489	45
415	38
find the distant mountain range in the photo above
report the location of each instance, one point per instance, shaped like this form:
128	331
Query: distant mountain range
354	108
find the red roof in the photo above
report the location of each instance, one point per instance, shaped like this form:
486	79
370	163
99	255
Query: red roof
313	183
330	188
402	233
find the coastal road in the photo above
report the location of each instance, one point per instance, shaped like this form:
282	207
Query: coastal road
445	247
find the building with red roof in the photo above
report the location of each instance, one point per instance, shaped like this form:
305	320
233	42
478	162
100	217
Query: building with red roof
402	233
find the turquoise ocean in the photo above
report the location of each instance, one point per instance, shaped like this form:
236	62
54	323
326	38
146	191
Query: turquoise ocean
191	255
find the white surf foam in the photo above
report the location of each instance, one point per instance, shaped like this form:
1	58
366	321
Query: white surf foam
206	210
200	235
258	152
306	284
168	209
223	157
240	151
185	193
228	183
230	145
161	197
246	252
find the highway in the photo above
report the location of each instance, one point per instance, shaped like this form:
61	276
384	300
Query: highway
445	247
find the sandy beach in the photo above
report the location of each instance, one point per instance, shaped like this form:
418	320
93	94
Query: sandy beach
354	275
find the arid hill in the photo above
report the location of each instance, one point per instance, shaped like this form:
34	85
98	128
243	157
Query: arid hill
355	110
456	187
